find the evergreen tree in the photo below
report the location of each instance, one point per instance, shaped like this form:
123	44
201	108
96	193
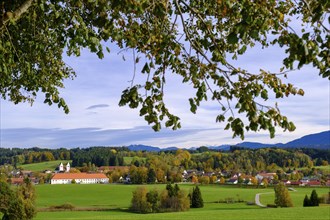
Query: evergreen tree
196	198
306	201
314	200
170	190
151	176
176	190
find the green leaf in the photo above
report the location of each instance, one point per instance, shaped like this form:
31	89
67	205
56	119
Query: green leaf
232	38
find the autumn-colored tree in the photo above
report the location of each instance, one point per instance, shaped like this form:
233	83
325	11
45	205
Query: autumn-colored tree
222	180
174	199
254	181
204	180
17	204
213	179
265	182
139	201
194	179
170	199
282	196
160	174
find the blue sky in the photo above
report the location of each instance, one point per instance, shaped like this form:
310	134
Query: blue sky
95	118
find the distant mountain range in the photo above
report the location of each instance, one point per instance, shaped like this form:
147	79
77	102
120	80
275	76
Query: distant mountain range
319	140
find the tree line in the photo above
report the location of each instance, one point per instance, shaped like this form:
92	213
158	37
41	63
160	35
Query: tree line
249	161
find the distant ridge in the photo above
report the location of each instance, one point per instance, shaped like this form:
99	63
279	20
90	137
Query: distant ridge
141	147
319	140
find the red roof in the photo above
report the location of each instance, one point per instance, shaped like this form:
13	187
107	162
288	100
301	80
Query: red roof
314	183
17	180
295	183
79	176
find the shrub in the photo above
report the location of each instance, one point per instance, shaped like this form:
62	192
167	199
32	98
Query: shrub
169	200
139	201
65	206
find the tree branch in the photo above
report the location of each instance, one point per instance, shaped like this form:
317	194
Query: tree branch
17	13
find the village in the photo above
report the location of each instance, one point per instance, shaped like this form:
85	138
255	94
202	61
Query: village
65	174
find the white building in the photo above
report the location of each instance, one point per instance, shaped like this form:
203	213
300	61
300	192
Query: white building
67	168
80	178
61	168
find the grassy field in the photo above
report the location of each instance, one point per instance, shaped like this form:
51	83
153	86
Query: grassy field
49	165
117	198
296	196
128	160
325	169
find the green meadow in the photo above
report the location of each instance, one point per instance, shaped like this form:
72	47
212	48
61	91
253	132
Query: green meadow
49	165
112	201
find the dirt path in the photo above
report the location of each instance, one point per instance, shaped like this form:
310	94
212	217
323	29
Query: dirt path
257	199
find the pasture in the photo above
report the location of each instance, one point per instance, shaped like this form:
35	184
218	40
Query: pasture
112	202
39	167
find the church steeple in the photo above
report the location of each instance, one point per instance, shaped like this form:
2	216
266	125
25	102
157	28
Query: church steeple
67	168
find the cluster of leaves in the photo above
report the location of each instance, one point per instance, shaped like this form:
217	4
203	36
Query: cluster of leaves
172	199
194	39
17	204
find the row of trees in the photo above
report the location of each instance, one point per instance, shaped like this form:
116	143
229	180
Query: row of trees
172	199
248	160
312	201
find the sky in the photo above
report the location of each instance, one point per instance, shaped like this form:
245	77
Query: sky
95	119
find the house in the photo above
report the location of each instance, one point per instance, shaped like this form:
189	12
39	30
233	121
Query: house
20	180
304	181
268	176
295	183
17	181
27	173
232	181
80	178
314	183
286	182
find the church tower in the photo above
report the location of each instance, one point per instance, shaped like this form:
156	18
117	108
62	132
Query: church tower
67	167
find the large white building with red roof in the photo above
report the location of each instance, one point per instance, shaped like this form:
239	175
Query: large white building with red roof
80	178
